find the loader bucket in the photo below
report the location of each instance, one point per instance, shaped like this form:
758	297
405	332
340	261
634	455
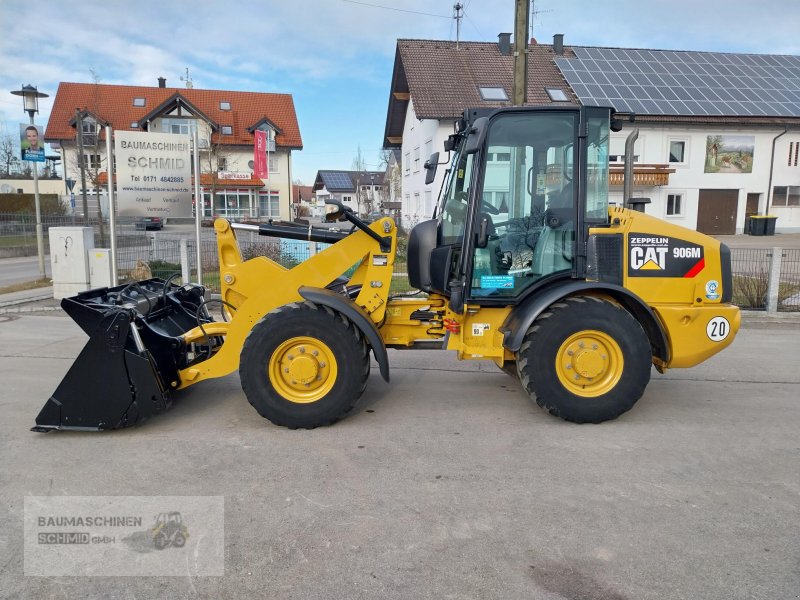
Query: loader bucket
128	367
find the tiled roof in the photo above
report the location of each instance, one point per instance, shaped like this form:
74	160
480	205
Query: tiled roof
114	104
443	81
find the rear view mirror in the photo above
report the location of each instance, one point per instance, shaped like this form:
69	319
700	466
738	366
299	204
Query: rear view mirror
477	135
430	168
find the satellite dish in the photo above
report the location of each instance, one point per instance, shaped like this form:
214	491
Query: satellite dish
251	164
6	189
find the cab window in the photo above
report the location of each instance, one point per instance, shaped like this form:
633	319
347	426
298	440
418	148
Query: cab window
528	204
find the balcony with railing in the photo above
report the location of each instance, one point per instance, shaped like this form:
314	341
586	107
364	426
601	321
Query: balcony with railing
644	175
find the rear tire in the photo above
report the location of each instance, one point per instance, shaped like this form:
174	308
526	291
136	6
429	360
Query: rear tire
585	360
304	366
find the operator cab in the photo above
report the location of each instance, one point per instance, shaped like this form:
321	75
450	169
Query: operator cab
523	186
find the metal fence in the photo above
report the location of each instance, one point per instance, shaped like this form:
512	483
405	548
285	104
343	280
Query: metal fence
141	255
789	282
762	279
766	278
18	231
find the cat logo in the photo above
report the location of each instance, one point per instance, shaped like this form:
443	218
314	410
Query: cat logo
648	258
663	256
649	253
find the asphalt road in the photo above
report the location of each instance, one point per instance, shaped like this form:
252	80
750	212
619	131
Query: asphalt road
448	483
21	269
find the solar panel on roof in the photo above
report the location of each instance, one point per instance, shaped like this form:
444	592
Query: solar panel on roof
666	82
336	180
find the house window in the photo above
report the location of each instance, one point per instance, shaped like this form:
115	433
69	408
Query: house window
677	151
139	102
135	125
273	164
222	163
229	203
428	149
428	203
557	94
786	195
227	130
270	136
499	157
89	130
407	163
177	125
674	205
620	158
794	149
493	93
269	204
416	159
91	161
224	105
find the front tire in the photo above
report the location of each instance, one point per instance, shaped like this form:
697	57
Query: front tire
585	360
304	366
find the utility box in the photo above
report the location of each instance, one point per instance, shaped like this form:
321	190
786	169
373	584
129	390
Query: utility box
68	259
100	268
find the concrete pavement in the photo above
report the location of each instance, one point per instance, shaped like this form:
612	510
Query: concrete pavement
449	482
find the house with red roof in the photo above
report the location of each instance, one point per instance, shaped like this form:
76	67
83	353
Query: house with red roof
225	120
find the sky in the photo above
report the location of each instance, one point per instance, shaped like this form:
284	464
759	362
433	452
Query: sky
335	57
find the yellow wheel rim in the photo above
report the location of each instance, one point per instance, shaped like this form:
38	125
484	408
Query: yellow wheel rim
302	369
589	363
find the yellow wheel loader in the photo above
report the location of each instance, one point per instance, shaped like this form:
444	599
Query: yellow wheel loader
524	263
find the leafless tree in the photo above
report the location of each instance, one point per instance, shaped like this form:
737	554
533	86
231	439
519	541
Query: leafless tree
9	157
213	160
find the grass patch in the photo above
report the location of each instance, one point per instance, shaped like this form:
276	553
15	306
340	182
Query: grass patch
26	285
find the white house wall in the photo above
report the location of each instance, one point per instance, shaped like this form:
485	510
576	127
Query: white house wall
652	147
689	177
420	139
786	172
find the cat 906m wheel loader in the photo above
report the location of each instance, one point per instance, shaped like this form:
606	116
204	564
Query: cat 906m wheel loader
523	263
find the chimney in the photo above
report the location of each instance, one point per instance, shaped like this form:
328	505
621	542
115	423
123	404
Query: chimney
558	44
504	44
162	83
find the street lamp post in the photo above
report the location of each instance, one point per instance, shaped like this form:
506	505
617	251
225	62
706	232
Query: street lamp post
30	97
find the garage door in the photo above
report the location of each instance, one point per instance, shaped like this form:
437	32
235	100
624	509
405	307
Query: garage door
716	212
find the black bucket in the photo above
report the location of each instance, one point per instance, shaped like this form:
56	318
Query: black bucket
130	364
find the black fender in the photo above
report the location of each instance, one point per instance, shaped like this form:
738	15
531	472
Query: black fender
359	318
523	315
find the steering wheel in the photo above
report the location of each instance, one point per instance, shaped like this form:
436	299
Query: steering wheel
489	208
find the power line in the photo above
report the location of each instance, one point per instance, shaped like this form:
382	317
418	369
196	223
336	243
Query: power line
414	12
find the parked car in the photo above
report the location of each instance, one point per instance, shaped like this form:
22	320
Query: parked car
145	223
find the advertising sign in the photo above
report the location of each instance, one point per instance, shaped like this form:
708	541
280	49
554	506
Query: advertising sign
154	174
261	168
31	142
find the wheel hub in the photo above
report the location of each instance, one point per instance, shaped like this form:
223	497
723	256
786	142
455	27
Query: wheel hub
589	363
302	369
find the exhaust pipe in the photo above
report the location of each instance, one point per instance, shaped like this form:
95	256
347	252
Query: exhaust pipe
627	183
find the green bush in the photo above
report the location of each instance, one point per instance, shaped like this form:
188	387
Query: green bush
163	269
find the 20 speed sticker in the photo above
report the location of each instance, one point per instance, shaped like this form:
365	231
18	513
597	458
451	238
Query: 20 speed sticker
718	329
